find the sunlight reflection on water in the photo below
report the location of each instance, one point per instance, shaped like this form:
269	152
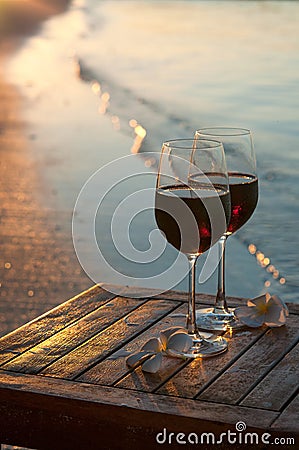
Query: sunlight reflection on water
236	63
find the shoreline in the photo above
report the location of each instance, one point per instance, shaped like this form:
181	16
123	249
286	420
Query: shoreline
70	129
38	265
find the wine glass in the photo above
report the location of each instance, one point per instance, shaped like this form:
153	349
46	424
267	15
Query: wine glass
243	185
192	209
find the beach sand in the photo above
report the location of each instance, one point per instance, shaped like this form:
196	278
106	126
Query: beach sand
38	265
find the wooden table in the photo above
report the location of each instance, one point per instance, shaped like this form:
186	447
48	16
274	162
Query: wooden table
64	384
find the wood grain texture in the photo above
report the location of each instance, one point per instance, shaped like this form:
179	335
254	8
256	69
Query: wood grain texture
68	385
278	386
236	382
140	292
51	322
197	375
112	338
70	337
114	368
201	298
288	419
127	400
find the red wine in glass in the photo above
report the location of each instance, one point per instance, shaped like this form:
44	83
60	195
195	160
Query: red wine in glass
192	210
244	195
243	186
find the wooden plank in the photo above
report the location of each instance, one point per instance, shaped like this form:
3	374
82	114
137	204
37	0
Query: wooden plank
233	385
51	322
54	389
288	419
116	336
140	292
197	375
201	298
114	368
293	308
49	350
274	391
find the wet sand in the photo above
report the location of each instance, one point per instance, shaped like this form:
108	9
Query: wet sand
38	265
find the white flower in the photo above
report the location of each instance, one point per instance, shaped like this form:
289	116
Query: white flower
150	354
152	364
179	342
266	309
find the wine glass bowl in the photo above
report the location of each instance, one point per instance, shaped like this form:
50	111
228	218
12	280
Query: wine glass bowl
244	194
192	210
243	185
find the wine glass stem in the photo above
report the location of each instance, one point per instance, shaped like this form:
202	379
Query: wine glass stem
191	316
220	303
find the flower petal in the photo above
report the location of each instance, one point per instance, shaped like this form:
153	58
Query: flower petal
136	358
152	345
273	314
164	334
169	331
163	340
276	323
277	312
249	316
257	301
278	301
179	341
153	364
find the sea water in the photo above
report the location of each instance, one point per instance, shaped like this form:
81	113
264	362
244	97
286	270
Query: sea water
110	78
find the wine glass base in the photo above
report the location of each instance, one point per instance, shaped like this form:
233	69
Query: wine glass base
206	319
204	348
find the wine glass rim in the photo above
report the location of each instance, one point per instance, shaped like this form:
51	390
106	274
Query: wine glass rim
231	131
176	143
